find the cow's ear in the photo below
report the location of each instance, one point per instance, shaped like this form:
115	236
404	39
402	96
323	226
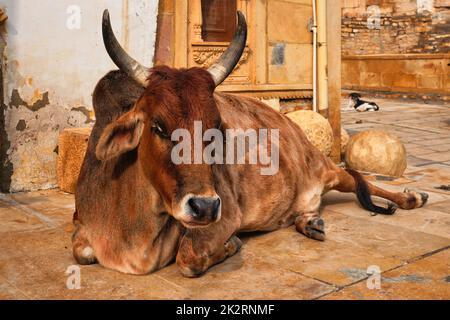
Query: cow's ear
120	136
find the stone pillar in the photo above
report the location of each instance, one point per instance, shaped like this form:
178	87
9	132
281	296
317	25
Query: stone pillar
165	33
334	74
196	20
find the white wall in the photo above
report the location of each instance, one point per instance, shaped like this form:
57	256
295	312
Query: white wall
50	52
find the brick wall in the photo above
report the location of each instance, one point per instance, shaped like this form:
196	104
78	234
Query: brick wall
405	26
397	46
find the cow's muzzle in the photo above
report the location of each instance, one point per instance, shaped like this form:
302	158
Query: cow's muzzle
200	211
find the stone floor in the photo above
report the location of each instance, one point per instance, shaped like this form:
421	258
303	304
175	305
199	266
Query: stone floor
410	249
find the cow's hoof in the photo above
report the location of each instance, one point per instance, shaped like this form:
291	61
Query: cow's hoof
233	245
315	229
84	255
190	272
424	196
420	198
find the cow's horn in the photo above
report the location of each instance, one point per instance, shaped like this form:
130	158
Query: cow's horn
122	60
229	59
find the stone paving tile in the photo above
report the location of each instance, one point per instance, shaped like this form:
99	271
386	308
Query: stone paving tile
35	265
46	200
438	165
443	206
432	142
14	219
36	243
352	243
58	206
9	292
426	219
425	132
245	276
329	261
417	161
391	181
437	156
429	177
42	277
428	278
388	240
421	174
416	150
440	147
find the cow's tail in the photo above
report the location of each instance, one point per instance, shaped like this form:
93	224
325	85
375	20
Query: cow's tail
349	180
362	191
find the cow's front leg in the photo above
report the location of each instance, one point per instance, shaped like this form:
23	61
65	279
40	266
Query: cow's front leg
311	225
193	258
202	248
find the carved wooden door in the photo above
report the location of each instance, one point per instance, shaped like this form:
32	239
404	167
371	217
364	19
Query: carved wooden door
218	20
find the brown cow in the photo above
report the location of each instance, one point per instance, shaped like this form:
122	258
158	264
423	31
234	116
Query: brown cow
136	211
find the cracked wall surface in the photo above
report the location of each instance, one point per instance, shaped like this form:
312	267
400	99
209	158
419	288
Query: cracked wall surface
52	55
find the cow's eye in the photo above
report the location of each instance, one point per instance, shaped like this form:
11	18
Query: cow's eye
159	130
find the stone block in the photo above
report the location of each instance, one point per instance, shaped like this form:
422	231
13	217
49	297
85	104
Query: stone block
350	3
351	73
429	82
72	145
441	3
295	67
292	27
370	79
399	79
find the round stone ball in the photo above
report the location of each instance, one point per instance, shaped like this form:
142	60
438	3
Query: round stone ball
316	128
344	140
376	151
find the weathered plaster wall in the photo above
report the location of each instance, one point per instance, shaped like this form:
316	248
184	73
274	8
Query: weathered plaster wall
5	165
53	58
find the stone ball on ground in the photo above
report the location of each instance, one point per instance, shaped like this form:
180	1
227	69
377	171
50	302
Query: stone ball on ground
376	151
316	128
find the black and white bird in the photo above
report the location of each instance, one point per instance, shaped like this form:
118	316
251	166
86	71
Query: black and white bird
360	105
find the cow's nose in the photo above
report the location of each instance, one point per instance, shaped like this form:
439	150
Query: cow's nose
204	208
